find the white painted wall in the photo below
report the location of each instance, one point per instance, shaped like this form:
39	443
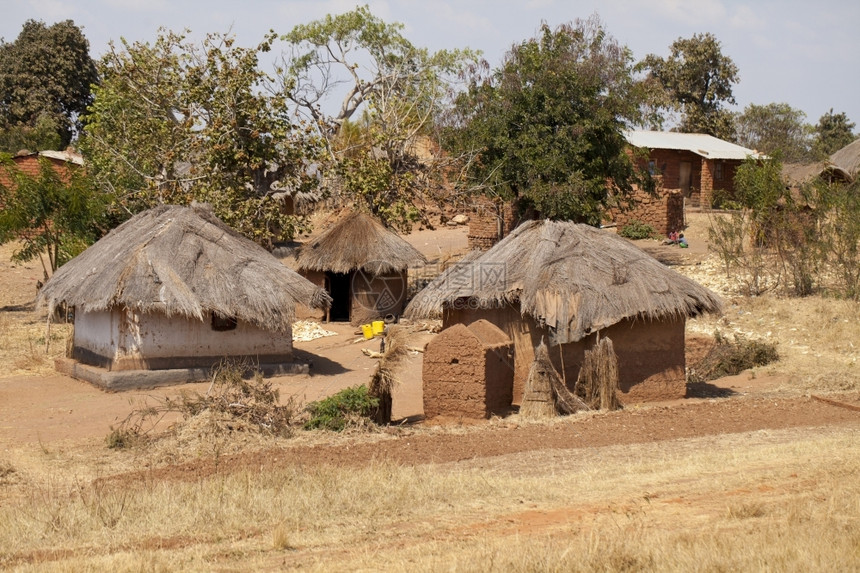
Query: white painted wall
159	336
97	332
121	334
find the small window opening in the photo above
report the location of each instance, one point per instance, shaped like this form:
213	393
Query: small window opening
222	323
455	361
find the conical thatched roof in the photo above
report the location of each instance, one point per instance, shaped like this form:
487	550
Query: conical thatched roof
848	158
572	278
182	261
358	242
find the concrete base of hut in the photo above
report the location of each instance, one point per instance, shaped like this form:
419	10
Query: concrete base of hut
119	380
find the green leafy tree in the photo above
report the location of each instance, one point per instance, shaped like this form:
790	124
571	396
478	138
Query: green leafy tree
45	76
390	92
697	78
44	134
54	214
833	132
175	121
546	127
775	128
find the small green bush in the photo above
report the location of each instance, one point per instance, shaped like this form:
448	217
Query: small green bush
636	229
349	407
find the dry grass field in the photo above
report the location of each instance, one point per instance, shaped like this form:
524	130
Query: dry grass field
765	478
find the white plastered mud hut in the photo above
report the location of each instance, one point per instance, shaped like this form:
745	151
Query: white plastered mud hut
363	266
569	284
172	292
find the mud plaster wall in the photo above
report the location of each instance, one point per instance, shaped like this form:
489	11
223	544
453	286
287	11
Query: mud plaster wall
125	340
465	377
651	363
663	210
304	312
377	296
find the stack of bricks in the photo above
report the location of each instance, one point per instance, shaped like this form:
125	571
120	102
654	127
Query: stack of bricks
490	223
664	210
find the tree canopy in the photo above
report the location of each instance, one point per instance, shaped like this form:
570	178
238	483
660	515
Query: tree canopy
697	78
547	125
55	212
45	79
775	128
176	121
833	132
390	92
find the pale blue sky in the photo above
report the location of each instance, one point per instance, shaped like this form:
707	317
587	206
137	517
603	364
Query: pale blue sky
800	52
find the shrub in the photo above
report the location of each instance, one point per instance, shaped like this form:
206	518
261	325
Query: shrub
234	403
350	407
729	358
636	229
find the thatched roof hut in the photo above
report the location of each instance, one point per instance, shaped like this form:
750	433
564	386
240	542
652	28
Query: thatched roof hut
848	158
358	242
575	285
362	265
797	174
572	278
182	261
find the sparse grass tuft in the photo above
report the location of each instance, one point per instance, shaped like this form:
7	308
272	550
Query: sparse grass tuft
281	538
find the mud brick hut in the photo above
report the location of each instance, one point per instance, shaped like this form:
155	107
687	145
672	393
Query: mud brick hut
363	266
170	293
467	372
570	284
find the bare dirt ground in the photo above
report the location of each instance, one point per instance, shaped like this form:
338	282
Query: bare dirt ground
52	430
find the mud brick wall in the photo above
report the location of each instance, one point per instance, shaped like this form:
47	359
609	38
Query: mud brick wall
664	210
490	222
465	376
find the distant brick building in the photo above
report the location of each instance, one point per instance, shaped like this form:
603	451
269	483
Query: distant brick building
28	162
687	167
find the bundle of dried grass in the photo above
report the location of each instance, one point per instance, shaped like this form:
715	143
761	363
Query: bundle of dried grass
545	394
598	377
384	379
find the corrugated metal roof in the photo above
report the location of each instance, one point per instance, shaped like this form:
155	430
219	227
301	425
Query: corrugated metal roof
69	156
701	144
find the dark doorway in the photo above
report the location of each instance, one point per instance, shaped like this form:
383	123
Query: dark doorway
337	285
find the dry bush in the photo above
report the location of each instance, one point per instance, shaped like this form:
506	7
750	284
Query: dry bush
6	470
232	403
384	378
731	357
